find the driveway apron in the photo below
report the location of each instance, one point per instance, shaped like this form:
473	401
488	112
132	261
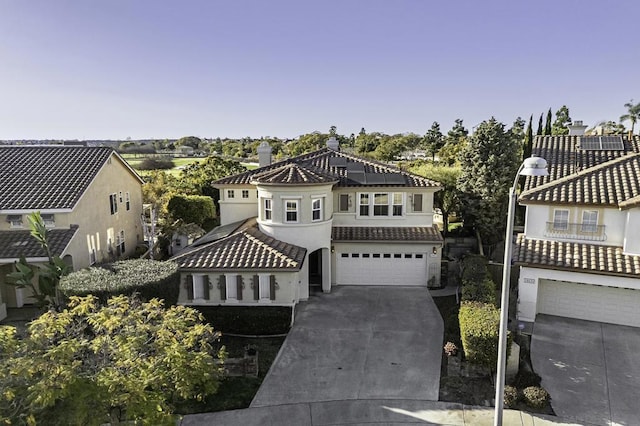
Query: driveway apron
359	342
590	369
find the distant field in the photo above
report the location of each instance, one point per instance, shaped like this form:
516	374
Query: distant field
180	163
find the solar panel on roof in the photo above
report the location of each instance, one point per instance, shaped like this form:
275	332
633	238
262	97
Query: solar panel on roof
374	178
394	178
356	176
601	143
355	167
337	162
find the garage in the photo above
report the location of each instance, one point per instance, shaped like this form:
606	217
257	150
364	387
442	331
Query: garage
589	302
364	268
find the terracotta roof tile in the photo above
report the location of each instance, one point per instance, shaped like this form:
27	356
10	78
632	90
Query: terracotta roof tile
14	244
613	183
381	233
322	161
47	177
247	249
578	257
295	174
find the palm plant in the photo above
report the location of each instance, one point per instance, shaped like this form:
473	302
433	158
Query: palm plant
632	115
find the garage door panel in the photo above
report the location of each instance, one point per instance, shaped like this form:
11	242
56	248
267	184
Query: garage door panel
381	271
589	302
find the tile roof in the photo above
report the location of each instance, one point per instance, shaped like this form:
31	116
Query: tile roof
578	257
614	183
47	177
564	158
323	160
293	173
382	233
247	249
14	244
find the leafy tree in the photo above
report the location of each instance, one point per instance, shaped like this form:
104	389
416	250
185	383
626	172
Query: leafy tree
540	130
196	209
448	198
158	189
489	162
609	128
547	126
307	143
192	141
433	140
151	163
333	131
388	148
197	178
632	115
517	130
43	280
453	143
562	119
92	364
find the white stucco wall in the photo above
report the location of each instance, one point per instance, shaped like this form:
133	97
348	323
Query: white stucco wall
529	281
632	232
237	208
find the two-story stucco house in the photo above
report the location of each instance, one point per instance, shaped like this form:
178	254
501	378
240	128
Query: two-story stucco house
89	198
317	220
579	256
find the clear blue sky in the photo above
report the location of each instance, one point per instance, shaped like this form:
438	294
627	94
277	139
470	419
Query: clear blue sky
155	69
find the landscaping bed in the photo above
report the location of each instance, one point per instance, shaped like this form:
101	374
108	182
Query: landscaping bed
248	320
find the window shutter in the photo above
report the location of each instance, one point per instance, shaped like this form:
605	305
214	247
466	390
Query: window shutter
239	287
223	287
205	284
188	285
256	287
272	287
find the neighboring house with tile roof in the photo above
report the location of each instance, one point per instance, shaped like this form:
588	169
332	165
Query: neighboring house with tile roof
579	256
89	198
311	222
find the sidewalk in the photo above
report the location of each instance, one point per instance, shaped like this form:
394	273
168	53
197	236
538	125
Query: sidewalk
369	412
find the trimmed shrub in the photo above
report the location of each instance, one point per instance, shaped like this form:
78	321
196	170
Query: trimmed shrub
191	208
510	396
525	379
150	163
474	268
535	396
479	332
148	278
248	320
479	291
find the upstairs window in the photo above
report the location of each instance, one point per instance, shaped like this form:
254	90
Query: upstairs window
417	202
127	200
267	209
231	193
316	209
49	220
291	211
245	193
381	204
113	203
398	203
589	221
561	220
343	204
364	204
15	220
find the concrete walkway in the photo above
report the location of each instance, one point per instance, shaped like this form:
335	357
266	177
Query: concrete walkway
359	342
590	369
369	412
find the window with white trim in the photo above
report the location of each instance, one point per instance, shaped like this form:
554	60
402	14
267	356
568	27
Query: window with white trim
561	220
268	208
343	204
589	221
49	220
198	287
15	220
120	196
398	203
417	202
382	204
232	287
364	204
245	193
120	242
265	287
316	209
291	211
127	200
231	193
113	203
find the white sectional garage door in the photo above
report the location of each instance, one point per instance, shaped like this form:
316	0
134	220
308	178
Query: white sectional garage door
376	269
589	302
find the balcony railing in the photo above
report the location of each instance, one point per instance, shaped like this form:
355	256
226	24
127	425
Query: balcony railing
575	231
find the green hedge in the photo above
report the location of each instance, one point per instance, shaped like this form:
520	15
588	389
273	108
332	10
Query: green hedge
483	291
479	332
249	320
474	268
149	278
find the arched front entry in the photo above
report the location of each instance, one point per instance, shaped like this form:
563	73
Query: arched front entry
319	264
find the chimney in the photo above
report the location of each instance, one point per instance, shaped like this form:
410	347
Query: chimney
264	154
332	143
576	128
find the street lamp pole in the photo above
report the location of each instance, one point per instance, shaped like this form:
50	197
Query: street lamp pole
533	166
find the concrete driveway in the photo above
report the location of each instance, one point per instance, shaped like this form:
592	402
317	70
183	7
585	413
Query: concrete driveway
359	342
591	369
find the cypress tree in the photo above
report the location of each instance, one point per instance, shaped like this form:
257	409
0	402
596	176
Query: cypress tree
547	126
539	132
528	140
